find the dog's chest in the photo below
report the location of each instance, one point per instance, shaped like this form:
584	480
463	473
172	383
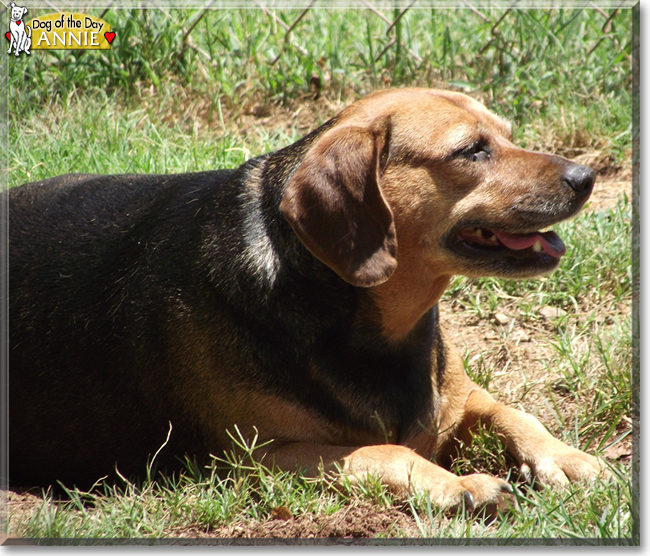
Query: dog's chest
390	392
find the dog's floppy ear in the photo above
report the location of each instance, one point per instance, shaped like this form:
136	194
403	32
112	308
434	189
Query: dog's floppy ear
335	206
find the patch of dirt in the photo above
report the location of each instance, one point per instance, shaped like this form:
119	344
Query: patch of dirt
354	521
611	183
515	351
201	113
304	115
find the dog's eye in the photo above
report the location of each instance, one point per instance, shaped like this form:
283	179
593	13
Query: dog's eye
476	152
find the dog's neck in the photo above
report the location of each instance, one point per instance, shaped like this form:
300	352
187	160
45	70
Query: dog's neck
402	301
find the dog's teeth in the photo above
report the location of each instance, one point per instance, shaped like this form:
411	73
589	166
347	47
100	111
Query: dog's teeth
537	246
478	232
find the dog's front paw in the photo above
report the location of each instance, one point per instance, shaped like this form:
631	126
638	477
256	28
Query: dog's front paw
559	464
477	493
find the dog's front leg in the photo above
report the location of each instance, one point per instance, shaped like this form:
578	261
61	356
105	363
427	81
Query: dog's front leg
401	469
540	455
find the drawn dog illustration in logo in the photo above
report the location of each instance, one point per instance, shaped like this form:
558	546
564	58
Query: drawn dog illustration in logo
21	36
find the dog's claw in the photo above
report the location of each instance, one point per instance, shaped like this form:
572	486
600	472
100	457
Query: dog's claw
561	465
487	495
469	501
507	487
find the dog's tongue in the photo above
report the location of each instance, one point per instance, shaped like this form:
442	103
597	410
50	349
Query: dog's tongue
550	242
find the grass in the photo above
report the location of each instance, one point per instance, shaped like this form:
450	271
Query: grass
201	502
569	68
187	90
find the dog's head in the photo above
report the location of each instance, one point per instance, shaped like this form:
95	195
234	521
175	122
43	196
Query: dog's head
17	12
430	181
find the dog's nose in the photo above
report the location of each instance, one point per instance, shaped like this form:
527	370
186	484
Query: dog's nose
579	178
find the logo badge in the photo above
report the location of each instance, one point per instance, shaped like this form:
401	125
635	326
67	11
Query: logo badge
60	31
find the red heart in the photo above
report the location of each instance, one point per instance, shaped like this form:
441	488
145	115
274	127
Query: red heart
18	22
8	35
109	36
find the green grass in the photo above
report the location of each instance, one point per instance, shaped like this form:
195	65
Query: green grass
165	100
96	136
569	67
203	501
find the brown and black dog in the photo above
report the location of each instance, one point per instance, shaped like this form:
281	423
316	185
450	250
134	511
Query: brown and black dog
296	296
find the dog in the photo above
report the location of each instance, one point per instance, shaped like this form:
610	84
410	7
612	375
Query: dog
294	298
21	36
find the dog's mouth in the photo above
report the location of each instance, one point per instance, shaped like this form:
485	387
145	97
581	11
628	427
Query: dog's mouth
494	243
495	252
